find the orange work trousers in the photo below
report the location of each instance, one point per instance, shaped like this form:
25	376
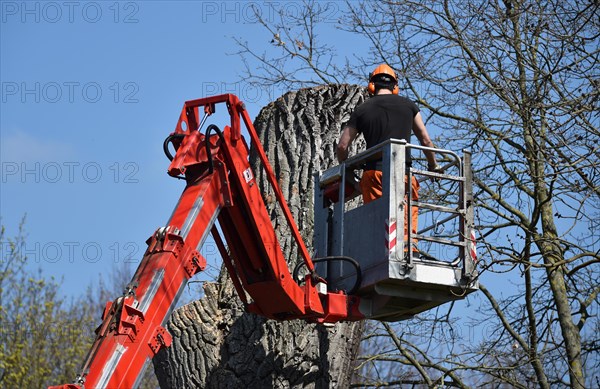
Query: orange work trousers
371	188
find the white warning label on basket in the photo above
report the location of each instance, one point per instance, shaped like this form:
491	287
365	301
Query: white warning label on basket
248	175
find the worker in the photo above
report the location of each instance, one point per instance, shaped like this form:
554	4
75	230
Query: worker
384	116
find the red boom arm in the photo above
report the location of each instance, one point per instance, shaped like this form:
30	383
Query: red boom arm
220	186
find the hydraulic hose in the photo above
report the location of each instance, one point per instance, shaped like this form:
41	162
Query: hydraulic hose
335	258
168	140
216	129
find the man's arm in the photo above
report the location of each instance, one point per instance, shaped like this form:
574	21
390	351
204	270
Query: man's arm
346	139
423	136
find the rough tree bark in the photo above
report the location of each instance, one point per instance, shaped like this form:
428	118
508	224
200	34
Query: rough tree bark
215	343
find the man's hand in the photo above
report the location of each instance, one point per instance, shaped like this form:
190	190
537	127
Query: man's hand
435	168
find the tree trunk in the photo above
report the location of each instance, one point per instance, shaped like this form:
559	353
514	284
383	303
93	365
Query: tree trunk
215	343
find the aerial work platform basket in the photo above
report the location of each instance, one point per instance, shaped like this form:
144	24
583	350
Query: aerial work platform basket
364	247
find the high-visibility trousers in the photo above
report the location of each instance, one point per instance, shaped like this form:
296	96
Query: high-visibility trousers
371	187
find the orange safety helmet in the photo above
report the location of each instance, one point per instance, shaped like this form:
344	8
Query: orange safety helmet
382	69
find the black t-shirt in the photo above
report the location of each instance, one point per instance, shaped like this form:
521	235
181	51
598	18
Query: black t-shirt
383	117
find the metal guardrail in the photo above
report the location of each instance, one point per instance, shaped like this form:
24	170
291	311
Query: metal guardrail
455	172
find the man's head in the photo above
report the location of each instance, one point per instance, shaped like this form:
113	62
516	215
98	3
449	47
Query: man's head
383	77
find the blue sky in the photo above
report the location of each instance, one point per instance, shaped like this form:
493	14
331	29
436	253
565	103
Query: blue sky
89	92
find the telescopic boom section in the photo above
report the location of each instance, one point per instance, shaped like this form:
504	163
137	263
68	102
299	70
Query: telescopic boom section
220	186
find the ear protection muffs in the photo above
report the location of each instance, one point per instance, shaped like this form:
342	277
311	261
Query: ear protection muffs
371	86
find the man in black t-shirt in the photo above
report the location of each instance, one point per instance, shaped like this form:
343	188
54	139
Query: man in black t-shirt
384	116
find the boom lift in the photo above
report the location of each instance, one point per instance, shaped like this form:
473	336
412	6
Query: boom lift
221	186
